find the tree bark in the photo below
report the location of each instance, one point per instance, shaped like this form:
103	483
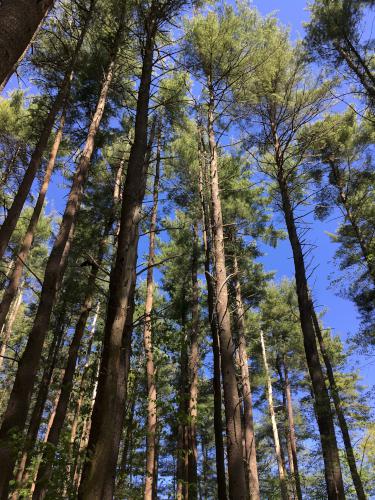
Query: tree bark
357	481
107	420
236	472
276	439
218	421
16	412
19	20
147	339
28	239
8	324
335	486
250	449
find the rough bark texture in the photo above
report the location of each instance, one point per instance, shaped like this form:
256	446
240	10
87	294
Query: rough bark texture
148	341
236	472
19	20
18	405
250	450
28	239
218	421
339	411
107	420
335	487
276	439
7	328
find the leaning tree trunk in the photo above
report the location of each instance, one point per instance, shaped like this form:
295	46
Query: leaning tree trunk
28	239
19	401
335	486
193	374
276	439
236	472
148	341
14	211
107	420
8	323
218	421
250	449
357	481
19	20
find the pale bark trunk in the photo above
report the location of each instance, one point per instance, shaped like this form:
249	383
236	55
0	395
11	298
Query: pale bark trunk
148	341
8	324
28	239
236	472
218	422
276	439
18	405
19	20
250	449
357	481
98	475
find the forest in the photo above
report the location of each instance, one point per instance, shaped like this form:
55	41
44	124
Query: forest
187	248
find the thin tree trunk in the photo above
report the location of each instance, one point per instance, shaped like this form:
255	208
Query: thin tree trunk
236	472
147	339
250	449
182	438
335	486
193	374
107	420
357	481
14	211
28	239
19	20
276	439
291	431
218	422
18	405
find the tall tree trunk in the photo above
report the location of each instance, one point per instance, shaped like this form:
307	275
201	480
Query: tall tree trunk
14	211
218	421
357	481
28	239
19	20
335	486
250	450
147	338
18	405
291	430
107	420
8	324
182	492
193	374
236	472
276	439
37	412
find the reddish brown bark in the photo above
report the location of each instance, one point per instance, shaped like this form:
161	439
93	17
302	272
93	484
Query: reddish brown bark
19	20
16	412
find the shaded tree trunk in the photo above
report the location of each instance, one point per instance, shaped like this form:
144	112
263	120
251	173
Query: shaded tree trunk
250	450
147	339
236	472
276	439
182	492
218	421
357	481
16	412
107	420
28	239
19	20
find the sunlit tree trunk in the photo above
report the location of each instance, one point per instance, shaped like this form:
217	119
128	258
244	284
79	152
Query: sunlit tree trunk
7	327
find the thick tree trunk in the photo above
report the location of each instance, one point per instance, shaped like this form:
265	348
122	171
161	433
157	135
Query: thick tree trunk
193	374
18	405
276	439
19	20
218	421
236	472
8	324
98	475
147	339
250	450
357	481
28	239
335	486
